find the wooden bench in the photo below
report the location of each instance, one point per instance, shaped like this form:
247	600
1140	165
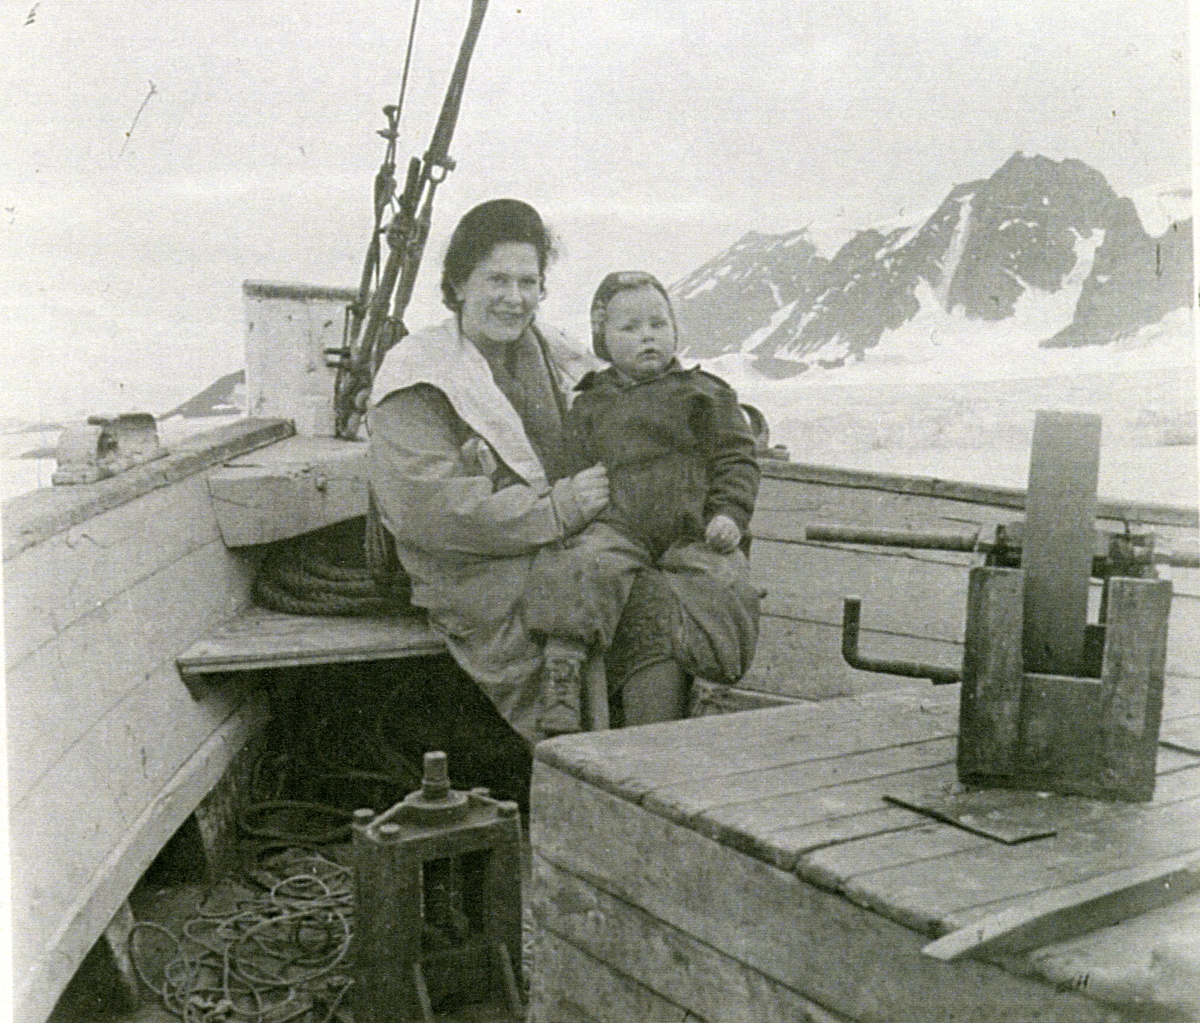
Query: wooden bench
258	638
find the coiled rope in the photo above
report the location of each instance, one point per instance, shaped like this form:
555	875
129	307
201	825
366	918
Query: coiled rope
328	573
268	958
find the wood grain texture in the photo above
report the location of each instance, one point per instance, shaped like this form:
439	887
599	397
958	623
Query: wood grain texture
990	705
668	961
52	585
58	920
1074	909
570	986
842	957
40	514
57	694
290	488
261	638
967	493
1135	654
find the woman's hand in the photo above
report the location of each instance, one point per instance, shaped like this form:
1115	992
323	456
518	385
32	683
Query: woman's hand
722	534
591	490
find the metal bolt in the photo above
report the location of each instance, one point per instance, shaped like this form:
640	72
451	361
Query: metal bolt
436	782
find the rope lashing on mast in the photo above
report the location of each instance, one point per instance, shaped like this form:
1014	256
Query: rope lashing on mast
375	319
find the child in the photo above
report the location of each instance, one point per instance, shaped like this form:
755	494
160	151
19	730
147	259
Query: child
682	477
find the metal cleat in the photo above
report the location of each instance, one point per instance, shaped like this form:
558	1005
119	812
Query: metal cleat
105	447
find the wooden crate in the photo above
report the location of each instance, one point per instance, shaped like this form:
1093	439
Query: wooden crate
747	867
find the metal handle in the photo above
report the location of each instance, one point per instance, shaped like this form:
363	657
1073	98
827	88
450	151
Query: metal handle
851	619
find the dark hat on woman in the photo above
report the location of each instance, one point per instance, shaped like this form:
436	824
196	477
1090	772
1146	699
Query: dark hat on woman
623	280
481	229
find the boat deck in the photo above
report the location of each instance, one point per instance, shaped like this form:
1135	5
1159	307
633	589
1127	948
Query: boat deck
750	867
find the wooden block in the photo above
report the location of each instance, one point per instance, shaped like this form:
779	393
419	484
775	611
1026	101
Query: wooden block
1060	735
770	920
1135	654
288	328
990	705
387	931
291	488
1060	523
664	959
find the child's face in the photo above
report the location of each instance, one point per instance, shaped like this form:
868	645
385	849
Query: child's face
638	332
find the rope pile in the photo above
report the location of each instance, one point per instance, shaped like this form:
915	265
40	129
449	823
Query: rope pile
326	573
273	957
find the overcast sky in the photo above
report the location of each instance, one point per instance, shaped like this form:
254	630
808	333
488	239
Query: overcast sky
651	133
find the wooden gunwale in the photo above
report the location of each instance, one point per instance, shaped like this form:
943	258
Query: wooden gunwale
972	493
31	518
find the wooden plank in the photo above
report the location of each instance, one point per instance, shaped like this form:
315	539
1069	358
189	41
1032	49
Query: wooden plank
630	762
51	586
50	953
1006	815
1074	909
815	771
261	638
763	828
1147	961
990	705
673	964
770	920
970	493
1135	654
800	840
77	814
945	892
40	514
1060	522
291	488
909	595
571	987
57	693
887	845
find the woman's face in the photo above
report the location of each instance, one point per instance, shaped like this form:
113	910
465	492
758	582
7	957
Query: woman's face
500	297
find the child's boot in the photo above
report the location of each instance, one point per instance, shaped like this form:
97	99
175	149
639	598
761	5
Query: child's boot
562	673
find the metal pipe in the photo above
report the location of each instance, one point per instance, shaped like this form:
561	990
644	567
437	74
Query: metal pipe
968	542
851	619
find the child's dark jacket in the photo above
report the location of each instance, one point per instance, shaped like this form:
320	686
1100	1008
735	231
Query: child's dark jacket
677	448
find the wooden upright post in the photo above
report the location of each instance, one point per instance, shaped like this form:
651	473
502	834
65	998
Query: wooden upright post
1060	530
1033	714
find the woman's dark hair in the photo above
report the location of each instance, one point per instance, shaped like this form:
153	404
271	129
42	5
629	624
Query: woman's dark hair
481	229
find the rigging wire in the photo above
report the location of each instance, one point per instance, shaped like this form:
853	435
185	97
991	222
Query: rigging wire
412	32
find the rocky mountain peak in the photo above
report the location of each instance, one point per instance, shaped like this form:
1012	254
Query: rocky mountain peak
1035	228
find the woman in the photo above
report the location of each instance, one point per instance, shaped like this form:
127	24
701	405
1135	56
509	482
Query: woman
466	442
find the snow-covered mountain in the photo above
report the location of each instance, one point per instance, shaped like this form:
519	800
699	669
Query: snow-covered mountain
1045	249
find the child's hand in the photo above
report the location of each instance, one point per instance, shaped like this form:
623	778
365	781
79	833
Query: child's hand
722	534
